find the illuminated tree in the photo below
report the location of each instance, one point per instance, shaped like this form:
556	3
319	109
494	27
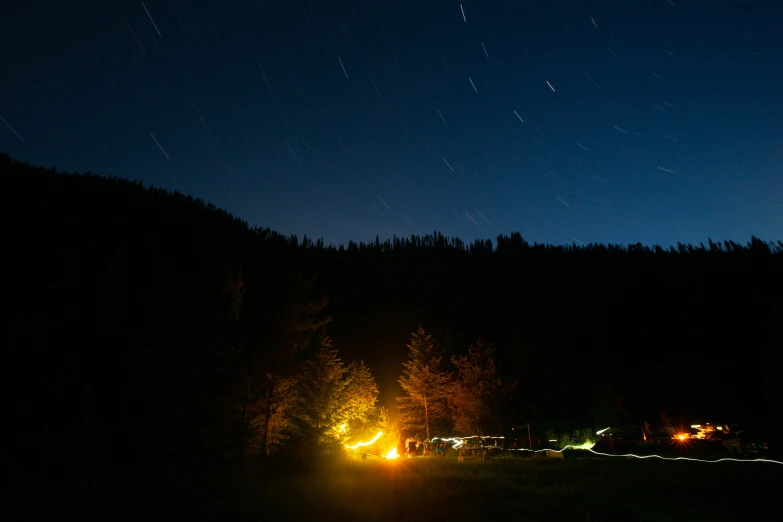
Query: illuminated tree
360	396
301	316
279	427
425	384
320	407
477	392
332	399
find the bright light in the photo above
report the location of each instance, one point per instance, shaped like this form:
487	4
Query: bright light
359	444
682	436
392	454
727	459
601	431
342	427
695	425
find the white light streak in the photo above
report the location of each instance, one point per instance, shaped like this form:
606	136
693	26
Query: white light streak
447	163
770	461
665	170
441	117
473	84
463	13
137	39
180	23
376	88
518	116
593	20
461	440
582	146
151	20
161	148
343	66
12	130
550	86
485	50
621	130
471	218
266	80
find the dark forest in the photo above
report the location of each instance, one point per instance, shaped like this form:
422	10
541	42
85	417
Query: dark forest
140	322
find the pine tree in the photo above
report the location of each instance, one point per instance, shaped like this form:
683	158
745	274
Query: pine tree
320	408
425	384
279	427
360	396
477	393
333	401
301	316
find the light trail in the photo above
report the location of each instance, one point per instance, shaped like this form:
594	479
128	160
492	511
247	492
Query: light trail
360	444
588	447
151	20
646	456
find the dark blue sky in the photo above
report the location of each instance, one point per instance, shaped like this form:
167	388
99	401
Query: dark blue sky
344	120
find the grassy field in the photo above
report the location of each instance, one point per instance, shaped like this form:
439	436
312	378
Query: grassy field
429	489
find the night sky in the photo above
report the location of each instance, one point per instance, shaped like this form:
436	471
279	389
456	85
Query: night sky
649	121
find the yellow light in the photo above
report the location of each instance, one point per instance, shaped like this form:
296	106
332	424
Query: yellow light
358	444
392	454
682	436
342	427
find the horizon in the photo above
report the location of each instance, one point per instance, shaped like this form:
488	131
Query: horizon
302	236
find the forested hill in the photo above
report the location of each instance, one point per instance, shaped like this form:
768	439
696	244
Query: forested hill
132	311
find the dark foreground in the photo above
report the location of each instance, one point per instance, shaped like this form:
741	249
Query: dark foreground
445	489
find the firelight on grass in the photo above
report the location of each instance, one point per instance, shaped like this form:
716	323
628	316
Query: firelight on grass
392	454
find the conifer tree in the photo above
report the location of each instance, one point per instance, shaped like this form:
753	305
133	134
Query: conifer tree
477	392
424	382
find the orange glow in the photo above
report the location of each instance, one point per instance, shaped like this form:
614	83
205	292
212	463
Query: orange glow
392	454
682	436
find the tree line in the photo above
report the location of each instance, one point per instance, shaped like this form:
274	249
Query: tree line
145	326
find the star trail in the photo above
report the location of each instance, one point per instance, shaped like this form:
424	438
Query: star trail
598	122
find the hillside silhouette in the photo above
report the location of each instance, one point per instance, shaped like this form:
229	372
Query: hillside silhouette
132	312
